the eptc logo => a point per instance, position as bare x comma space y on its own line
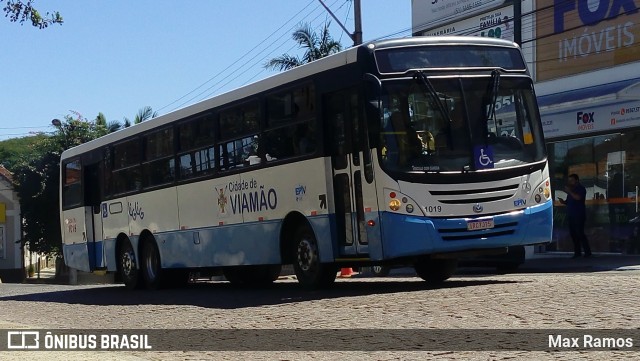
585, 120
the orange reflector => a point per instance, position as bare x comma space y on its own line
314, 213
371, 223
183, 227
260, 219
220, 223
367, 209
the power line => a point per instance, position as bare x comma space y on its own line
235, 62
209, 92
528, 24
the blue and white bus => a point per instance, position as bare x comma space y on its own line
411, 151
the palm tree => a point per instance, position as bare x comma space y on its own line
145, 113
110, 126
317, 46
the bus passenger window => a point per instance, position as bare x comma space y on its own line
72, 185
304, 142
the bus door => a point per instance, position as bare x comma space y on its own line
353, 196
93, 215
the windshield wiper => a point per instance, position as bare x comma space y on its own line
433, 94
492, 97
435, 99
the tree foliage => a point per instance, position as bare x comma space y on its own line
13, 150
144, 114
316, 46
38, 181
23, 11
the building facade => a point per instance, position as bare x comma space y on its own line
585, 58
588, 86
11, 259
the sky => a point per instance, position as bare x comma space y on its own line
118, 56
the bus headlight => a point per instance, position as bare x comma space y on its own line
394, 204
543, 192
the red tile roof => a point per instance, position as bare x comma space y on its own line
4, 172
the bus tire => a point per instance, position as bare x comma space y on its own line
127, 267
306, 261
152, 271
435, 271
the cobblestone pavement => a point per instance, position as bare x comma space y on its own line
607, 300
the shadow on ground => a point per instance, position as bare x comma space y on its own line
224, 295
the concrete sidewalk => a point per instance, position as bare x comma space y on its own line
48, 276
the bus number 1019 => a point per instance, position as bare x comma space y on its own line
434, 209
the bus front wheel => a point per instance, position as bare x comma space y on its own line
435, 271
127, 267
306, 261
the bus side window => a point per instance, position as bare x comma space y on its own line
126, 166
72, 184
290, 123
159, 166
196, 152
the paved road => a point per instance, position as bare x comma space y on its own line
472, 301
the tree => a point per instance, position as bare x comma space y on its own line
110, 126
144, 114
21, 11
37, 183
316, 46
13, 150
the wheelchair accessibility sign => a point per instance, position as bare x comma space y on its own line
483, 157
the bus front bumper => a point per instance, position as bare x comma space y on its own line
406, 235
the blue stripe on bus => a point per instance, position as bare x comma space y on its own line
240, 244
406, 235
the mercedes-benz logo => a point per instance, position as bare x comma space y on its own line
478, 208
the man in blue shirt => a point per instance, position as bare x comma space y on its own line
576, 215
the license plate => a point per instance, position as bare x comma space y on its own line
480, 224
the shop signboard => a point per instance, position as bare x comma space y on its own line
577, 36
494, 24
609, 117
427, 14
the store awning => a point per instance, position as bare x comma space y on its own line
610, 93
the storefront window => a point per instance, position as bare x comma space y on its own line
609, 168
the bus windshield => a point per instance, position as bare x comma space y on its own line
459, 124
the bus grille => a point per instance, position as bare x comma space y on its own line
478, 195
459, 234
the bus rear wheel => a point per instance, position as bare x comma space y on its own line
435, 271
151, 267
127, 266
306, 261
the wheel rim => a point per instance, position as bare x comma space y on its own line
307, 255
128, 262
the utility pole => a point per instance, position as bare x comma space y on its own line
357, 32
356, 36
517, 22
